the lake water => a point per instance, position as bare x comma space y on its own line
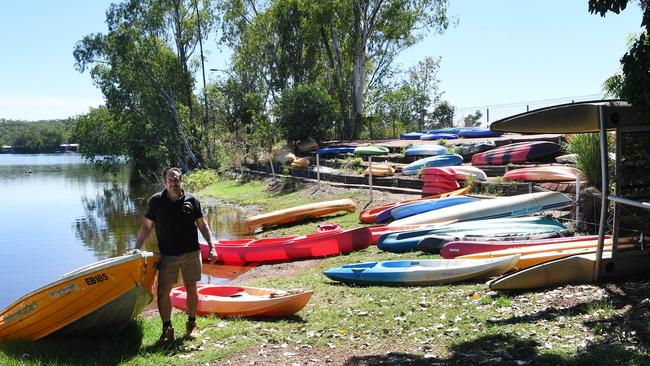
59, 213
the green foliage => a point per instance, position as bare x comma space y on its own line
442, 115
304, 111
587, 148
36, 137
472, 120
198, 179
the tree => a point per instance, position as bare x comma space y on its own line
422, 78
304, 111
472, 120
443, 115
633, 84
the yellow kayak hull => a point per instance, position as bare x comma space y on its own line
101, 298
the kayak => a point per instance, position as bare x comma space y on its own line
335, 150
543, 174
406, 241
380, 170
300, 163
439, 136
368, 216
458, 248
414, 208
371, 150
411, 135
478, 133
235, 301
296, 214
502, 207
432, 161
284, 249
420, 272
461, 172
426, 150
469, 149
434, 243
517, 153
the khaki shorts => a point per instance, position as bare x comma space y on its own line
189, 265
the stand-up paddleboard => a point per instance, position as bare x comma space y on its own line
432, 161
419, 272
458, 248
478, 132
414, 208
543, 174
408, 240
512, 206
371, 150
426, 150
439, 136
517, 153
369, 216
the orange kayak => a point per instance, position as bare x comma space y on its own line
234, 301
370, 215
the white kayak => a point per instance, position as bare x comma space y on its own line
512, 206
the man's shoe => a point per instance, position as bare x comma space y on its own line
167, 336
190, 330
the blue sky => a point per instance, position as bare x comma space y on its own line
503, 54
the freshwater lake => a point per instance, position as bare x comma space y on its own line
59, 213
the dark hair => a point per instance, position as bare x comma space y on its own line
171, 169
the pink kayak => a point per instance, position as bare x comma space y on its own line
457, 248
543, 174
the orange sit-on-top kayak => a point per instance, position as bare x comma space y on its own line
233, 301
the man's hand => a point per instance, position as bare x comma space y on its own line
212, 256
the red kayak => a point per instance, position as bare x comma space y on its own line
543, 174
517, 153
457, 248
290, 248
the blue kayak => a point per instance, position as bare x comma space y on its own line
439, 136
411, 135
407, 241
414, 208
335, 150
420, 272
432, 161
478, 132
426, 150
450, 130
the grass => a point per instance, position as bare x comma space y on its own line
456, 324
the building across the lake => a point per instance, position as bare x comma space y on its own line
69, 147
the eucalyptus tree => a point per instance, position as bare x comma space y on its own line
141, 66
423, 80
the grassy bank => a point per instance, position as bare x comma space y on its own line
455, 324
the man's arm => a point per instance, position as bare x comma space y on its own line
145, 230
207, 235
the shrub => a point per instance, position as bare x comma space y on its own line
196, 180
587, 148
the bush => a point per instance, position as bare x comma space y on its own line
304, 111
587, 148
196, 180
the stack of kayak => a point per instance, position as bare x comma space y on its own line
450, 133
445, 179
517, 153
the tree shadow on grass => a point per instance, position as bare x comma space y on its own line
82, 351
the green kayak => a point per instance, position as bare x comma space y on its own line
371, 150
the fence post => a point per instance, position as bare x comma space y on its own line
370, 176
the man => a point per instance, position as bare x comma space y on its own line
176, 215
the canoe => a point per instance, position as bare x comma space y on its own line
511, 206
406, 241
300, 163
543, 174
369, 216
296, 214
439, 136
420, 272
457, 248
478, 133
380, 170
97, 299
240, 301
517, 153
414, 208
285, 249
411, 135
425, 150
432, 161
371, 150
434, 243
335, 150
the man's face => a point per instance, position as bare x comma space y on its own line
173, 182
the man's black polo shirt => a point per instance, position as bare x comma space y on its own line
175, 222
